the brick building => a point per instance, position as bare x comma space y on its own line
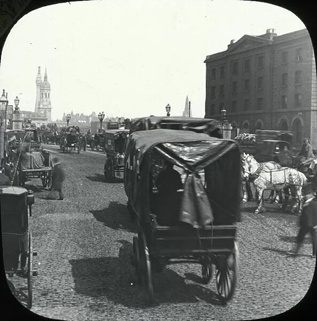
265, 82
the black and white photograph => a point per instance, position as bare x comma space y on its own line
158, 160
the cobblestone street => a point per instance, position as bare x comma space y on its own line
84, 244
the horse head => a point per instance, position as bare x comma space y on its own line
249, 166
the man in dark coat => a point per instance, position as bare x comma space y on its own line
58, 177
308, 224
305, 153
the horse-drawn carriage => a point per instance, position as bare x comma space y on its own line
70, 140
27, 158
196, 223
115, 140
98, 140
17, 239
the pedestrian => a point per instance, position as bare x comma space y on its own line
308, 224
4, 179
58, 177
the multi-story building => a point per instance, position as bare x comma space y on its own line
265, 82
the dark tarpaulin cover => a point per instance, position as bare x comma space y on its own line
198, 125
189, 150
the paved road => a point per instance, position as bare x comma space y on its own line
85, 241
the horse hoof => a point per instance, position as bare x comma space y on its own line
263, 209
256, 212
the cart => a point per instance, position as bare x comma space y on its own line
115, 140
70, 140
17, 239
35, 165
200, 225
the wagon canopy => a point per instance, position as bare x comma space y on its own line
193, 152
199, 125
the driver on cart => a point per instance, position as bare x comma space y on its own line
305, 154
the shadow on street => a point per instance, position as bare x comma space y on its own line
97, 178
292, 239
113, 278
284, 252
115, 216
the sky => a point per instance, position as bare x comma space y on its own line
128, 58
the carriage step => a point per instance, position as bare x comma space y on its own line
34, 273
34, 253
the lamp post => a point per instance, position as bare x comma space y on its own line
168, 110
16, 117
3, 122
68, 119
101, 117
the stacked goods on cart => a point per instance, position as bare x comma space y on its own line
246, 142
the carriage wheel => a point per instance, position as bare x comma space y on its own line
30, 273
136, 259
44, 180
145, 269
49, 180
226, 275
206, 272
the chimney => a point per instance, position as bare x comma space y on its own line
270, 34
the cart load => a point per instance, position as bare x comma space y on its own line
195, 221
211, 127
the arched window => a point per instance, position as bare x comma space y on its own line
258, 125
283, 125
245, 128
298, 131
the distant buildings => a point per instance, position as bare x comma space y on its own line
265, 82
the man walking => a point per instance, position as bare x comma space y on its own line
308, 224
58, 177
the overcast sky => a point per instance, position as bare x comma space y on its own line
128, 58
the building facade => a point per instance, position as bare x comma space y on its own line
265, 82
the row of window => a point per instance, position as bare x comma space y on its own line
260, 64
234, 106
297, 101
260, 82
259, 104
46, 95
298, 78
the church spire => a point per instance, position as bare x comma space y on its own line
45, 75
38, 77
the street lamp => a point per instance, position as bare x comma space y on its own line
3, 118
101, 117
68, 117
16, 103
168, 109
223, 116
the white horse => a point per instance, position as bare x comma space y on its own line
266, 166
274, 180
